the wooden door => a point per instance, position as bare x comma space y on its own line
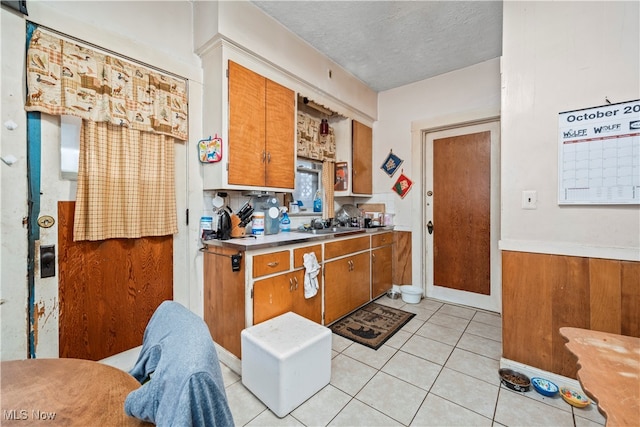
108, 290
247, 103
272, 297
461, 212
362, 174
381, 270
311, 308
280, 136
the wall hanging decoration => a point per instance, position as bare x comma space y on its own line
402, 185
391, 163
210, 149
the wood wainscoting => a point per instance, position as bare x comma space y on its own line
401, 266
108, 290
542, 293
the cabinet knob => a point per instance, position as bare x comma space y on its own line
269, 157
290, 284
273, 264
295, 280
264, 156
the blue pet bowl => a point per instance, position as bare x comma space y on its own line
544, 387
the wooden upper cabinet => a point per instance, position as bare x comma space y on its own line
280, 136
247, 128
362, 174
261, 131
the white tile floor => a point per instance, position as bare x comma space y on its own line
441, 369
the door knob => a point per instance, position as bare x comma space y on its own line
430, 227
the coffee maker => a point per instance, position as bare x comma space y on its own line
223, 217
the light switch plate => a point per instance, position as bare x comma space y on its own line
529, 199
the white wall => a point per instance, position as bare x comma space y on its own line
13, 206
156, 33
472, 93
249, 27
560, 56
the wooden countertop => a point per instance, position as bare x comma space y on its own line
65, 392
609, 372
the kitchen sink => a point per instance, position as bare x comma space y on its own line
332, 230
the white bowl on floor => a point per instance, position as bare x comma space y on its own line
411, 294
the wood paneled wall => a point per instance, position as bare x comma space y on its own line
108, 290
401, 266
542, 293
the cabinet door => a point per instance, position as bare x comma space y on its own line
337, 280
247, 104
381, 274
362, 174
224, 298
310, 308
347, 285
280, 136
360, 280
272, 297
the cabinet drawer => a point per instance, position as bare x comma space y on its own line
343, 247
298, 260
273, 262
381, 239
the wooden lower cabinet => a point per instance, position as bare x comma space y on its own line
355, 270
283, 293
224, 298
381, 272
346, 285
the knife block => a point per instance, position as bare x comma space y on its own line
236, 230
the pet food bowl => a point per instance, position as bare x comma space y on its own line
574, 397
393, 294
514, 380
544, 387
411, 294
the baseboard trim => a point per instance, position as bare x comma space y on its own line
530, 371
125, 361
229, 359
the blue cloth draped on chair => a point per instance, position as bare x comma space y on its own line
180, 373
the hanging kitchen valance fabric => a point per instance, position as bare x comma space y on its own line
311, 144
64, 78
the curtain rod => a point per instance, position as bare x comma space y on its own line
107, 51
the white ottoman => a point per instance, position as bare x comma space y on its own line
285, 361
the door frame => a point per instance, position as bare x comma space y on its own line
419, 130
492, 301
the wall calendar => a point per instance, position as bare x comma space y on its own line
599, 155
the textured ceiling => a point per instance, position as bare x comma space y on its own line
388, 44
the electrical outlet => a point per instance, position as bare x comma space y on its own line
529, 199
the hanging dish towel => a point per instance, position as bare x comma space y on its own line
312, 269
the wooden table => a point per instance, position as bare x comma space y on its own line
609, 372
68, 392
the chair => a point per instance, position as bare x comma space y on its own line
179, 371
